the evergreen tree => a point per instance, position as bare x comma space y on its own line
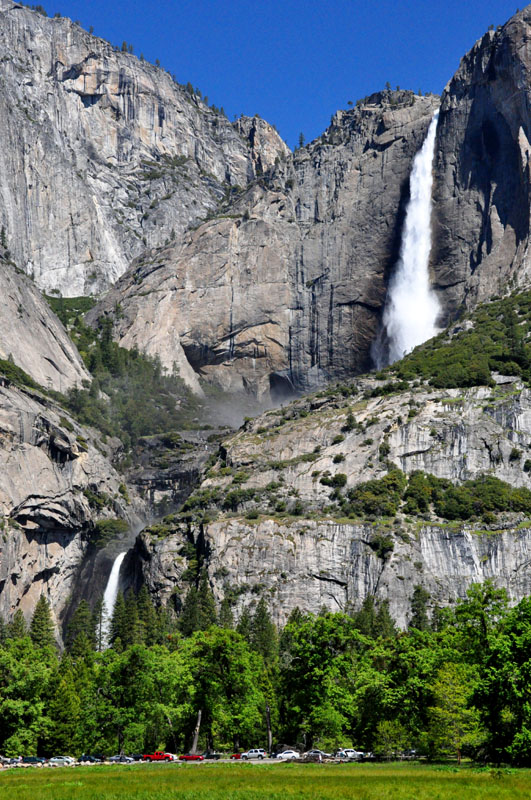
199, 609
3, 631
64, 711
81, 623
135, 628
42, 627
17, 628
3, 238
147, 616
226, 617
119, 624
419, 609
244, 625
365, 618
99, 618
384, 624
264, 637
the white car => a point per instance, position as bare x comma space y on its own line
354, 754
61, 761
255, 752
288, 754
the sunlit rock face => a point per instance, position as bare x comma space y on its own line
317, 558
482, 183
283, 291
103, 154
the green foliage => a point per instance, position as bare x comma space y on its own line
497, 340
105, 530
16, 375
331, 678
131, 395
41, 627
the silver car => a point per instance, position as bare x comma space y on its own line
255, 752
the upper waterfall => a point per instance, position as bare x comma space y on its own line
411, 309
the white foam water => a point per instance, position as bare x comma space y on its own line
109, 597
411, 310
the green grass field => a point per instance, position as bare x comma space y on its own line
274, 782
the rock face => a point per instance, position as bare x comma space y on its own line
33, 336
313, 564
54, 485
482, 189
283, 291
102, 153
312, 557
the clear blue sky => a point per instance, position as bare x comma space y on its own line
294, 62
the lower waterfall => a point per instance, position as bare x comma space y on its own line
411, 309
110, 595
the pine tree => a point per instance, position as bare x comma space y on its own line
42, 627
419, 609
64, 711
3, 631
384, 624
3, 238
244, 625
199, 609
147, 616
81, 623
119, 624
135, 628
365, 618
264, 638
99, 618
226, 617
17, 628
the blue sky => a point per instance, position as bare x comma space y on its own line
295, 62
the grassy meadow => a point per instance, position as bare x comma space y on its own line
257, 781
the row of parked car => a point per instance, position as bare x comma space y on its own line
161, 755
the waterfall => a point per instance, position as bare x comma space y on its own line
109, 597
411, 308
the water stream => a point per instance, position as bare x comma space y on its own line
110, 595
411, 310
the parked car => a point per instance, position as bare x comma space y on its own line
33, 760
61, 761
235, 756
255, 752
136, 756
158, 755
191, 757
353, 754
317, 753
121, 759
91, 759
288, 754
211, 754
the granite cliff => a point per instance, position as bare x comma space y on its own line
264, 272
266, 517
104, 154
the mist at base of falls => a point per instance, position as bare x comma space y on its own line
411, 309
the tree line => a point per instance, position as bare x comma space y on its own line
454, 683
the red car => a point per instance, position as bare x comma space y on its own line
158, 755
236, 755
191, 757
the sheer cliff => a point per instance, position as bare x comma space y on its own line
283, 290
482, 190
103, 154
